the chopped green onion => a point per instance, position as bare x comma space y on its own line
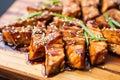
63, 17
30, 15
50, 3
93, 37
86, 38
19, 18
109, 21
115, 22
86, 30
97, 38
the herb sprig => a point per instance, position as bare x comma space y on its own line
115, 22
52, 2
111, 21
86, 38
92, 36
63, 16
30, 15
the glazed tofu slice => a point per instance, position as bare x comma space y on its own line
57, 8
89, 12
106, 4
45, 16
89, 2
71, 8
17, 36
112, 13
74, 42
113, 39
75, 53
112, 35
36, 48
89, 9
75, 46
54, 37
97, 49
54, 62
19, 33
72, 31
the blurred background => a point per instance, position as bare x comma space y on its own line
4, 5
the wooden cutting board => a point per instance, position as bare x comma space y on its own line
13, 64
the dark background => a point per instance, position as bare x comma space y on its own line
4, 5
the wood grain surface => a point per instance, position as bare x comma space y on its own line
13, 64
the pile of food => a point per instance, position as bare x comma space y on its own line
67, 33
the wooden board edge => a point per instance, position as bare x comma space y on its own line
13, 74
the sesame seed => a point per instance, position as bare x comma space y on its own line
103, 57
18, 36
103, 67
90, 70
26, 37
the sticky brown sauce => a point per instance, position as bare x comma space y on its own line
21, 50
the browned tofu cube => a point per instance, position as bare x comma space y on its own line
112, 35
37, 49
71, 8
89, 12
89, 9
75, 54
106, 4
97, 52
57, 8
18, 36
54, 62
97, 49
113, 39
112, 13
75, 46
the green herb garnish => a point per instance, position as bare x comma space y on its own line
115, 22
50, 3
93, 37
30, 15
86, 38
63, 17
86, 30
98, 38
109, 21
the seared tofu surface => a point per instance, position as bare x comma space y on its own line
55, 57
97, 49
112, 13
89, 9
36, 48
